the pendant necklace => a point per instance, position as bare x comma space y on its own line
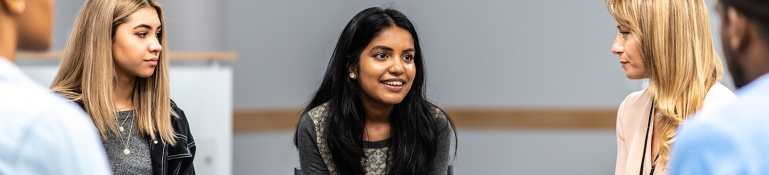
130, 129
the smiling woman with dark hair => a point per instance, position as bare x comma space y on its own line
370, 114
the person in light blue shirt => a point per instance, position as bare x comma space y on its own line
735, 138
40, 132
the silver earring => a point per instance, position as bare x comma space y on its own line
352, 75
21, 6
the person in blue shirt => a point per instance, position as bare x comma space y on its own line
40, 132
733, 139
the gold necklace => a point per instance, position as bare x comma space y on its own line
121, 125
130, 129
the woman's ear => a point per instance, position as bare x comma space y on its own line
352, 73
737, 29
13, 7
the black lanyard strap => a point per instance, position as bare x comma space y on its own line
646, 140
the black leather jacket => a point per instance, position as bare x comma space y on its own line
173, 160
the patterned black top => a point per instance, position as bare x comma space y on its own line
315, 156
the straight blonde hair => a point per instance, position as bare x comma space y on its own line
677, 50
87, 72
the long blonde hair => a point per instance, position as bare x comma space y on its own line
87, 72
677, 50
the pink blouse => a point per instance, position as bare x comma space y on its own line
632, 122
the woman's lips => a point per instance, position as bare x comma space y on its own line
152, 62
395, 84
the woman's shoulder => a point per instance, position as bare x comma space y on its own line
176, 109
636, 103
637, 99
437, 112
440, 116
180, 121
173, 104
181, 126
718, 95
316, 115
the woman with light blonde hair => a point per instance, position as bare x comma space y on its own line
115, 68
669, 43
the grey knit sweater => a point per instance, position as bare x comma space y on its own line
138, 160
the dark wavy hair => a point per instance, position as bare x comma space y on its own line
414, 128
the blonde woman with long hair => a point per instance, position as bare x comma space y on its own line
669, 43
115, 68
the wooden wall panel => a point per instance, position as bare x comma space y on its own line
599, 118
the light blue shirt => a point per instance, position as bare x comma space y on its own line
42, 133
731, 140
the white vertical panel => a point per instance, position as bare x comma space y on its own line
205, 95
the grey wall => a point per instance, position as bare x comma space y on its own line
193, 25
527, 53
550, 53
